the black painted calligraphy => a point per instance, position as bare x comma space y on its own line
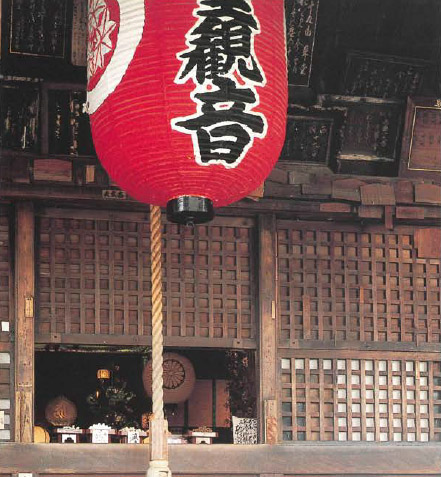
301, 19
222, 63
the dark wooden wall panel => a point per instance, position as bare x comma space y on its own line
345, 283
6, 324
93, 272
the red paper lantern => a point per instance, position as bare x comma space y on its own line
187, 98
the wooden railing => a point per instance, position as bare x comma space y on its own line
298, 460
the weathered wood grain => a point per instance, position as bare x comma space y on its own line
347, 189
268, 326
428, 194
428, 242
370, 211
404, 193
52, 170
403, 212
377, 194
98, 264
299, 459
24, 322
336, 207
331, 263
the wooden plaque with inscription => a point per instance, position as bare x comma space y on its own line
421, 149
301, 24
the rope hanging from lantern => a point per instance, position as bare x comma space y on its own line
158, 465
157, 338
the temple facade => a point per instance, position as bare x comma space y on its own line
302, 326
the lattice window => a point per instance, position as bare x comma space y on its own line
94, 278
352, 285
6, 391
343, 399
6, 354
5, 270
210, 286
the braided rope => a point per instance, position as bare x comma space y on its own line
157, 338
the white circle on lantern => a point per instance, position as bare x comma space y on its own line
131, 26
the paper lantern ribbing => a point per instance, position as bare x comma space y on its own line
187, 98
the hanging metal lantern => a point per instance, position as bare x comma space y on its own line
103, 374
187, 99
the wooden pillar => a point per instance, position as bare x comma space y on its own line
268, 329
24, 321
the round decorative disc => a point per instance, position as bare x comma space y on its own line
179, 378
174, 374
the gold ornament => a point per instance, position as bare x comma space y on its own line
61, 412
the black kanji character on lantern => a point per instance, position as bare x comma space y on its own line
221, 48
223, 129
222, 40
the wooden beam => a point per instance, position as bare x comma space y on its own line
337, 207
377, 194
409, 212
286, 208
138, 340
428, 194
114, 214
379, 347
54, 170
428, 242
310, 459
278, 175
347, 189
268, 328
287, 191
24, 322
388, 217
347, 353
404, 193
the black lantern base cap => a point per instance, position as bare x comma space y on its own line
189, 210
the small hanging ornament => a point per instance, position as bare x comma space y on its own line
188, 99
